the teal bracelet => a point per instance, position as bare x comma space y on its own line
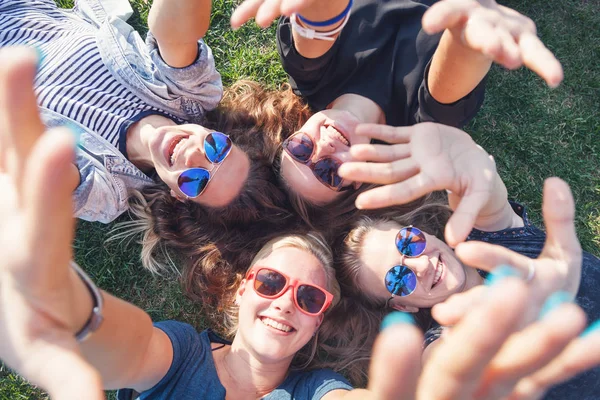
330, 21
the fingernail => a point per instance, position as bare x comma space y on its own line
500, 273
396, 318
75, 131
40, 56
593, 328
554, 301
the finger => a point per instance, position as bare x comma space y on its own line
454, 370
488, 256
386, 133
381, 173
451, 311
48, 198
244, 12
582, 354
463, 218
395, 364
380, 152
69, 376
510, 54
21, 124
293, 6
481, 35
267, 12
558, 209
396, 194
446, 14
531, 349
540, 60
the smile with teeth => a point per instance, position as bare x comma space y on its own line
439, 268
277, 325
174, 148
337, 134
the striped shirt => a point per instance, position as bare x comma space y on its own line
73, 80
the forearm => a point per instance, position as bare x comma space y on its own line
177, 26
119, 347
455, 69
319, 11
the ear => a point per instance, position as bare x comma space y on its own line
240, 292
319, 321
403, 308
178, 196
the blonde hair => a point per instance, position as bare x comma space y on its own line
314, 244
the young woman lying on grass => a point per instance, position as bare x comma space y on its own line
142, 111
371, 61
400, 260
60, 332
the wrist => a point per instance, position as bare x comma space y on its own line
326, 18
89, 304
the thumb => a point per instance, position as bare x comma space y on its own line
74, 379
396, 362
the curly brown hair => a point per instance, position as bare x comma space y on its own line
210, 243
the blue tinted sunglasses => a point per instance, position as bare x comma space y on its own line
401, 280
193, 181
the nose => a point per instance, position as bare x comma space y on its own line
421, 266
194, 158
324, 147
285, 302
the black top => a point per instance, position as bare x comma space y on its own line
382, 54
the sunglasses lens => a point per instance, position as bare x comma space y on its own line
216, 146
300, 146
400, 280
326, 171
411, 242
269, 282
193, 181
310, 298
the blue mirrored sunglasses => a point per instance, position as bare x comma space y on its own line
193, 181
401, 280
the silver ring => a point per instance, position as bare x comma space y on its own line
530, 271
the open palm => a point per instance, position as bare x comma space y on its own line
36, 231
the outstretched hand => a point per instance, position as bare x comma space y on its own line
500, 33
36, 232
558, 267
487, 354
421, 159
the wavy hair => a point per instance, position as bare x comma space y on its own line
196, 236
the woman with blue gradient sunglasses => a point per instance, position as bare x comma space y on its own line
399, 260
144, 112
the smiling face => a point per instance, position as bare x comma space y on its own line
176, 148
332, 132
439, 273
273, 330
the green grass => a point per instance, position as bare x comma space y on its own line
533, 132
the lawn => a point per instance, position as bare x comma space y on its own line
533, 132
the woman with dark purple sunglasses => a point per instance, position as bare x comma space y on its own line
372, 61
416, 260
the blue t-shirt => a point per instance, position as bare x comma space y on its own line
193, 375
